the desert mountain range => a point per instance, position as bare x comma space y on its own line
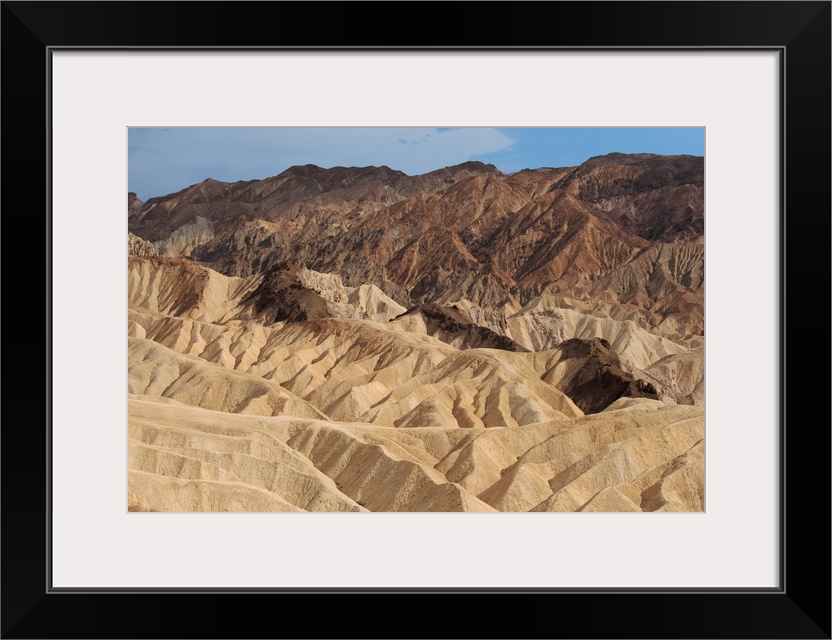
356, 339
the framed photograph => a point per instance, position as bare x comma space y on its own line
87, 84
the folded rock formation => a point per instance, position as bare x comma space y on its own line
355, 339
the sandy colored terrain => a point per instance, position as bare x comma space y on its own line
357, 414
184, 458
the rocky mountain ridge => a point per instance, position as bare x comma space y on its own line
466, 232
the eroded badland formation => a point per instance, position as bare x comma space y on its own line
356, 339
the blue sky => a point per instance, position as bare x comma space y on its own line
165, 160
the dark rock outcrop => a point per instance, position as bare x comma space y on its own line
594, 378
454, 327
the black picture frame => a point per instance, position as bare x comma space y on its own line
798, 608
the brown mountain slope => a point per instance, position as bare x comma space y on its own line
668, 214
666, 282
556, 243
659, 198
464, 232
307, 191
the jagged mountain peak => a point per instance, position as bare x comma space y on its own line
314, 171
474, 166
